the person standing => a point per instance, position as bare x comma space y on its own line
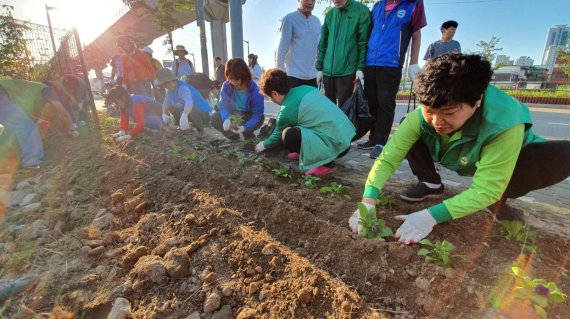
394, 24
219, 70
446, 45
254, 67
116, 69
181, 65
138, 72
297, 52
342, 48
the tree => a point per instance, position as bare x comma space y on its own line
489, 49
14, 54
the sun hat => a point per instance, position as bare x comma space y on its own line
180, 48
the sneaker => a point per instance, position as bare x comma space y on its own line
368, 145
320, 170
293, 156
420, 192
505, 212
376, 151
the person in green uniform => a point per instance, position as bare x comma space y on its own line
309, 125
474, 129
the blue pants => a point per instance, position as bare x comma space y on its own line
18, 124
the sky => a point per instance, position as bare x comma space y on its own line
521, 25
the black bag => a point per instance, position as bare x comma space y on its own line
357, 111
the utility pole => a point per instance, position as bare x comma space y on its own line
246, 41
200, 19
51, 36
237, 28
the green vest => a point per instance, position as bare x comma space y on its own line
25, 94
498, 113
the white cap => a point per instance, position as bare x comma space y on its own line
147, 50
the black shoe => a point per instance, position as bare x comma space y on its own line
505, 212
368, 145
376, 151
420, 192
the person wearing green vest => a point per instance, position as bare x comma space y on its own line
21, 106
474, 129
309, 125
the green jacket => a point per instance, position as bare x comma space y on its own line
344, 37
325, 130
25, 94
487, 148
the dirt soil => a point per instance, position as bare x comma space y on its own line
182, 229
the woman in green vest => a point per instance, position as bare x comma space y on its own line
309, 125
474, 129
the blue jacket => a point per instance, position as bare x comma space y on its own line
390, 35
151, 106
254, 104
178, 102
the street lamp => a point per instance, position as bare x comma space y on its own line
247, 46
51, 36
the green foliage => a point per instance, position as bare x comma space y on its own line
336, 188
14, 54
243, 160
489, 49
282, 172
263, 162
372, 227
540, 292
236, 120
518, 232
310, 181
17, 259
438, 253
176, 149
385, 201
194, 157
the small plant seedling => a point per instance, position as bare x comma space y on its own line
336, 188
310, 181
231, 153
385, 200
263, 162
194, 157
236, 120
372, 226
243, 160
438, 253
282, 172
518, 232
176, 149
540, 292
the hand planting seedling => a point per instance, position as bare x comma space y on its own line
194, 157
385, 200
438, 253
176, 149
282, 172
336, 188
372, 227
540, 292
518, 232
310, 181
236, 121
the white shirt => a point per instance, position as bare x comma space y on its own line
297, 51
256, 73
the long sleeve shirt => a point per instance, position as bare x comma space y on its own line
138, 112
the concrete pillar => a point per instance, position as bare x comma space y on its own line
203, 41
219, 39
237, 28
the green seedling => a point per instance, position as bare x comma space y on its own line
438, 253
372, 226
194, 157
336, 188
310, 181
518, 232
199, 146
243, 160
264, 162
282, 172
236, 120
540, 292
176, 149
385, 201
231, 153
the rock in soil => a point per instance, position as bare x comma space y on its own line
399, 253
150, 267
224, 313
121, 309
177, 263
212, 302
247, 313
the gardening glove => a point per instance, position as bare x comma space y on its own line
73, 133
165, 118
226, 125
416, 227
413, 71
123, 138
319, 76
260, 147
239, 130
353, 220
359, 77
117, 135
184, 125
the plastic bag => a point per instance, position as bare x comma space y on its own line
357, 111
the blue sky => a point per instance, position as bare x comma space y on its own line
522, 25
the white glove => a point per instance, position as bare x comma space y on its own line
184, 125
413, 71
1, 129
73, 133
355, 218
319, 76
117, 135
155, 83
123, 138
260, 147
239, 130
360, 77
416, 227
226, 125
165, 118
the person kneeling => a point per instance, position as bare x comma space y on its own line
313, 128
144, 110
474, 129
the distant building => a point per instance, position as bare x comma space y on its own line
510, 74
524, 61
503, 60
557, 38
